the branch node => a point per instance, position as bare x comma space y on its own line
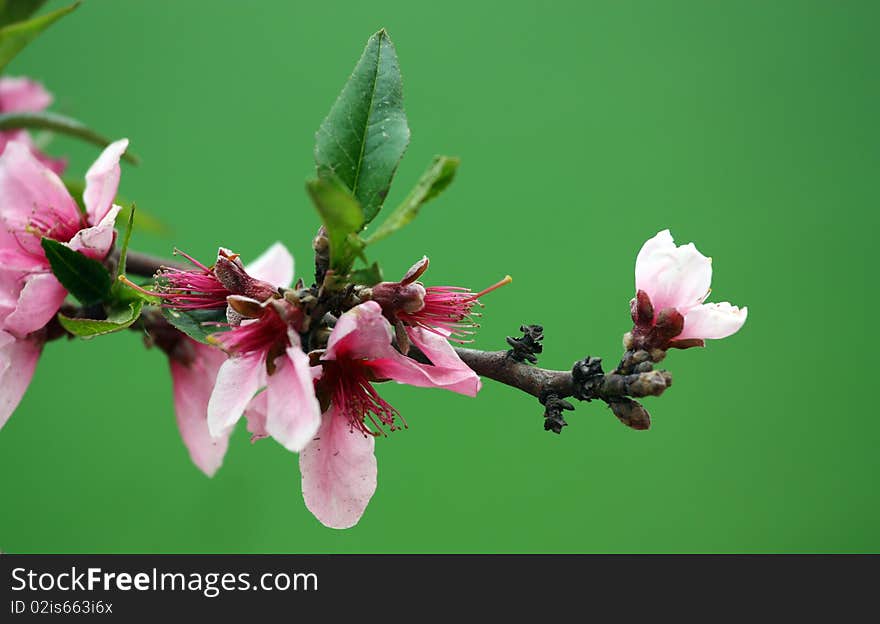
526, 348
553, 408
587, 375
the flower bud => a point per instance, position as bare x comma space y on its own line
631, 413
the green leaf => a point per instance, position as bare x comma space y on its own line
86, 279
433, 182
342, 217
118, 318
14, 37
12, 11
368, 276
365, 135
197, 324
44, 120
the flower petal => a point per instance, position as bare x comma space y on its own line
673, 277
22, 95
713, 320
38, 302
338, 472
238, 380
102, 181
293, 413
456, 375
18, 359
96, 241
28, 190
255, 413
275, 265
362, 332
57, 165
193, 384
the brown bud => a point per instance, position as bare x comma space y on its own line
652, 383
631, 413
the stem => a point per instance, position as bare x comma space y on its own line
549, 386
541, 382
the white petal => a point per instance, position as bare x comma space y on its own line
713, 320
275, 266
673, 277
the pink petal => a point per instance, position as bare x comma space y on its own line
293, 414
38, 302
461, 378
96, 241
102, 181
362, 332
713, 320
16, 259
255, 413
28, 189
338, 473
193, 385
57, 165
673, 277
275, 266
23, 95
238, 380
18, 359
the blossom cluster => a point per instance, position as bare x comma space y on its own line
303, 374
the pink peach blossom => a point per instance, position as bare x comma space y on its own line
672, 284
265, 353
194, 369
28, 96
339, 467
35, 203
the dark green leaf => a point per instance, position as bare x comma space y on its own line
365, 135
86, 279
433, 182
12, 11
368, 276
197, 324
118, 318
342, 217
14, 37
62, 125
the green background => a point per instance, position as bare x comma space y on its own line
583, 128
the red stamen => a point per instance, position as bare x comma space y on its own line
448, 311
357, 400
